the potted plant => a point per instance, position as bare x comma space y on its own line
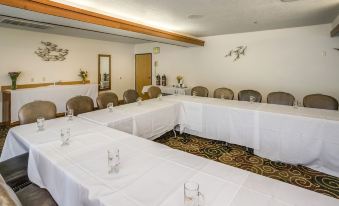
14, 76
84, 75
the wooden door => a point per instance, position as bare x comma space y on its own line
143, 72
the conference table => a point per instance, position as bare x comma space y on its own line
150, 174
305, 136
148, 119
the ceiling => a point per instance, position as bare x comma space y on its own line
69, 27
214, 17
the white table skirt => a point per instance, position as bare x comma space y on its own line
58, 94
169, 90
150, 174
280, 133
149, 120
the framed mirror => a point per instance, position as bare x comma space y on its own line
104, 72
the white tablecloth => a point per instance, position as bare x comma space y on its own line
149, 120
281, 133
20, 138
169, 90
58, 94
150, 174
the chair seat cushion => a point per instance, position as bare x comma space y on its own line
7, 195
33, 195
14, 170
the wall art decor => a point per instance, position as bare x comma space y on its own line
51, 52
237, 52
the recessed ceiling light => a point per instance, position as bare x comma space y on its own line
195, 16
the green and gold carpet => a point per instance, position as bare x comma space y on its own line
237, 156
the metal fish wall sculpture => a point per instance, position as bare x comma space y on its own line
51, 52
237, 52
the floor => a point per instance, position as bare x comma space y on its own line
237, 156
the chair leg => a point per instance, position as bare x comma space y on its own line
175, 133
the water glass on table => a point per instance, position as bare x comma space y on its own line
159, 96
70, 114
222, 96
139, 101
194, 93
113, 159
192, 195
252, 99
40, 123
110, 107
65, 135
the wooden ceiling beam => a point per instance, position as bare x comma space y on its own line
69, 12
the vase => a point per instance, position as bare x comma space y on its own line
13, 87
84, 81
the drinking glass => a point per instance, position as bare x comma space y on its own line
222, 96
160, 96
65, 135
139, 101
252, 99
175, 92
110, 107
69, 114
194, 93
192, 196
113, 159
40, 123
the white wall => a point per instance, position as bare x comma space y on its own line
291, 60
17, 54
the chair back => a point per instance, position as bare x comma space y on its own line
130, 96
320, 101
245, 95
200, 91
80, 104
281, 98
29, 112
107, 97
225, 92
153, 92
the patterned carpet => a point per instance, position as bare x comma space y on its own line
237, 156
3, 133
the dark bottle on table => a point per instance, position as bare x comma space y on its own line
158, 80
163, 80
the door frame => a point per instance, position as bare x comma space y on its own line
135, 69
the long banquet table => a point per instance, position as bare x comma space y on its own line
150, 119
301, 135
151, 174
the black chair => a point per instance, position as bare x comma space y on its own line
281, 98
320, 101
130, 96
245, 95
223, 92
14, 171
199, 91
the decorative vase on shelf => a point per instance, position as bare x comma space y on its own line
14, 76
83, 74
